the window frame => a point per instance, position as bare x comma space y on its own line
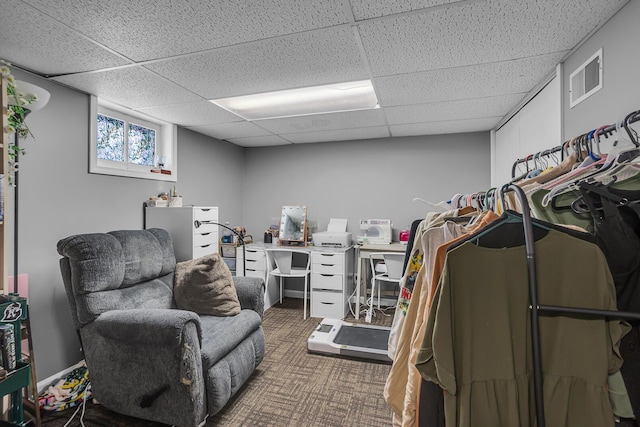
166, 143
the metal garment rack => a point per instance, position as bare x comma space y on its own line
537, 308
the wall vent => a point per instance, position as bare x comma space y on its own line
586, 80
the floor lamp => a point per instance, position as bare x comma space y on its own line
42, 98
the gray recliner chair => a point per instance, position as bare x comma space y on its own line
146, 358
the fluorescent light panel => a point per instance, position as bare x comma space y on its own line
333, 98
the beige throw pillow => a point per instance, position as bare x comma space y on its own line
204, 285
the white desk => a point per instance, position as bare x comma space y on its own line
331, 279
362, 254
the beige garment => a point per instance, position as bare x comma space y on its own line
433, 219
565, 166
403, 383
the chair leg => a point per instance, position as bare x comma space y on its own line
280, 289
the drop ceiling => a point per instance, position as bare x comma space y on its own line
438, 66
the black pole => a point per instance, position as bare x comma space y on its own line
15, 213
612, 314
533, 300
244, 253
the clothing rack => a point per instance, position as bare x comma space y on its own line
548, 152
604, 130
536, 308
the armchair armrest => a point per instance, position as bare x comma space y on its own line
162, 327
250, 293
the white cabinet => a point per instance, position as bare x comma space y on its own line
331, 283
189, 241
256, 266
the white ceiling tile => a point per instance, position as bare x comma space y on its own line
453, 126
323, 122
35, 41
479, 32
434, 59
477, 81
338, 135
451, 110
231, 130
133, 87
305, 59
192, 113
367, 9
259, 141
144, 30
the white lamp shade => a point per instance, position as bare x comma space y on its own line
28, 88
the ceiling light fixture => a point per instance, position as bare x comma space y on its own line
333, 98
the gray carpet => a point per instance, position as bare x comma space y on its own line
290, 387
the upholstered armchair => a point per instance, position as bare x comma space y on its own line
146, 358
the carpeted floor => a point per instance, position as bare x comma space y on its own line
290, 387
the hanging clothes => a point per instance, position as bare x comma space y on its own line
616, 215
477, 341
407, 283
402, 388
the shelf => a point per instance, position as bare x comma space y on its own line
16, 379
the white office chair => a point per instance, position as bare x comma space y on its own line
282, 258
385, 267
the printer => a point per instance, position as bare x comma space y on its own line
376, 231
336, 235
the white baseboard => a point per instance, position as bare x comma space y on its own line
42, 385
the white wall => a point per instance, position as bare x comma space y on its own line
536, 127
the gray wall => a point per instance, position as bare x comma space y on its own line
620, 93
355, 180
58, 198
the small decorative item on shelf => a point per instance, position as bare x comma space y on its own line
159, 201
156, 202
175, 201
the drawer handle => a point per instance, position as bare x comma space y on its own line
327, 265
327, 303
205, 210
205, 246
205, 234
327, 275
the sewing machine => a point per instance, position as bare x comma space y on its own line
376, 231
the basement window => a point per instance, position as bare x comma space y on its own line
126, 143
586, 80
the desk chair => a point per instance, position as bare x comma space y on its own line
385, 267
282, 258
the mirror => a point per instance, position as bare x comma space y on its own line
293, 224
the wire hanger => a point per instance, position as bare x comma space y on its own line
445, 206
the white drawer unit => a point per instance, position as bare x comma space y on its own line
327, 304
189, 241
256, 266
331, 283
